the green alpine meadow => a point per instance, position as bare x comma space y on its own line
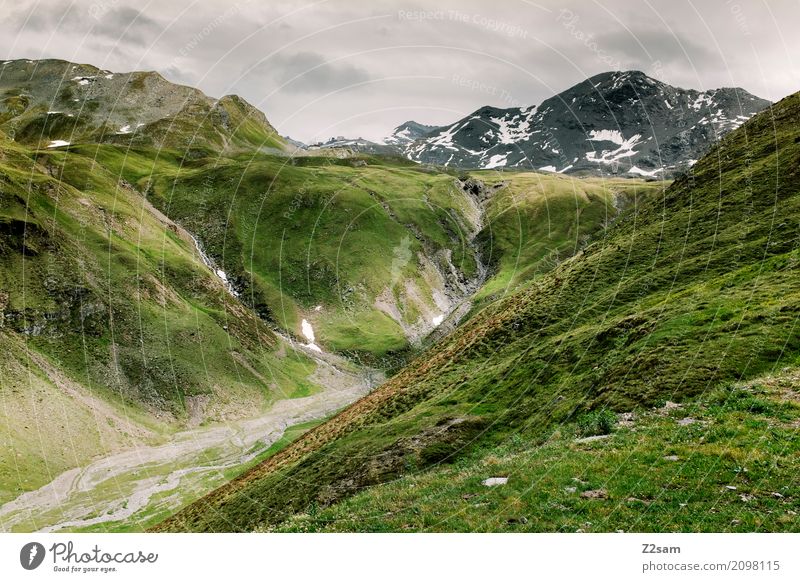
577, 316
644, 382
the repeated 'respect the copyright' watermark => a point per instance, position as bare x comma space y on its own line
477, 19
486, 88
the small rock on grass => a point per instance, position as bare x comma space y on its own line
494, 481
671, 458
591, 439
626, 419
670, 406
595, 494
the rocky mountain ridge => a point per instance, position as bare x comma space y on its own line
615, 122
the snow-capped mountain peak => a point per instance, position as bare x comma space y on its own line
614, 122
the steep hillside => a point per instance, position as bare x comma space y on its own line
372, 256
535, 221
687, 293
612, 123
113, 332
375, 256
52, 103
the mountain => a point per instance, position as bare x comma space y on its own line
181, 299
293, 143
409, 132
187, 281
117, 332
659, 363
53, 103
616, 122
393, 145
352, 146
157, 294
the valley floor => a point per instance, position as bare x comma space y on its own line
129, 490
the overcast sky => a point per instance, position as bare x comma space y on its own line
357, 68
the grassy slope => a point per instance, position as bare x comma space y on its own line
319, 232
683, 295
102, 244
110, 324
297, 234
727, 461
536, 221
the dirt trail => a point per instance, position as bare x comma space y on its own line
131, 485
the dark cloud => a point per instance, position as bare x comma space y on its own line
128, 24
107, 20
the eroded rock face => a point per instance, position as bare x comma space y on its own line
446, 298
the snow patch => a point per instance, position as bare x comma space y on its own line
702, 99
611, 135
625, 149
437, 320
57, 143
512, 130
308, 332
641, 172
445, 139
496, 161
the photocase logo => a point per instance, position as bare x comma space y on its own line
31, 555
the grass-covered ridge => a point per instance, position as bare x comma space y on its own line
52, 100
685, 293
535, 221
